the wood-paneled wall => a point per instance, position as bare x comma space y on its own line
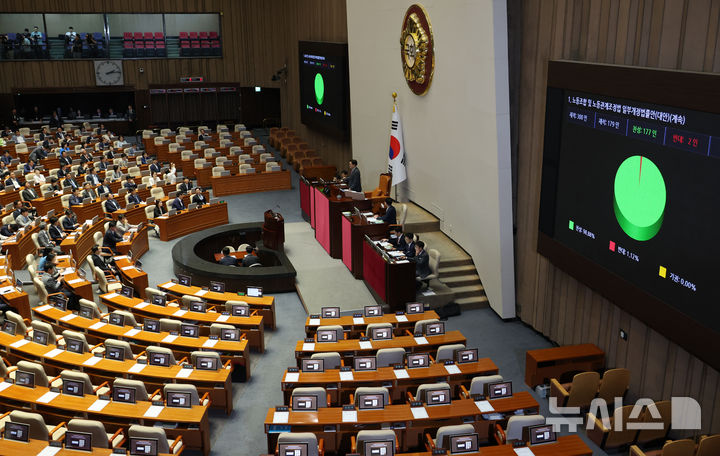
672, 34
258, 37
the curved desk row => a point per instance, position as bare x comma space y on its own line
356, 325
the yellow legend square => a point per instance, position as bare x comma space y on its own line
663, 272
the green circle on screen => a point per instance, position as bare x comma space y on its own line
319, 88
639, 198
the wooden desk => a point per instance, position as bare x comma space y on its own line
238, 255
18, 246
328, 212
136, 242
130, 275
356, 325
192, 422
88, 211
566, 445
249, 183
134, 216
351, 347
37, 446
392, 281
340, 390
45, 205
252, 326
17, 299
9, 197
264, 305
78, 244
97, 331
543, 364
414, 428
354, 230
187, 222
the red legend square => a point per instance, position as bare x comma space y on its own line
612, 246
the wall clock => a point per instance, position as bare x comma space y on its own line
109, 73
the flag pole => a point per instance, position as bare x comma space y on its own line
394, 95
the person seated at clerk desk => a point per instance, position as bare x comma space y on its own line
105, 187
54, 284
123, 226
12, 180
177, 204
75, 198
56, 231
390, 213
39, 178
111, 205
92, 178
8, 230
129, 183
29, 193
186, 185
342, 177
70, 222
198, 198
422, 262
154, 167
134, 198
88, 191
227, 259
353, 179
112, 237
24, 218
250, 257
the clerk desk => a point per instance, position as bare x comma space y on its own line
328, 422
354, 230
326, 213
252, 326
190, 221
566, 445
356, 325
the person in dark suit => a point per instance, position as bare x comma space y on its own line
75, 198
227, 260
111, 205
422, 261
65, 159
134, 198
129, 183
29, 166
12, 180
56, 232
70, 182
154, 167
178, 204
160, 209
6, 157
102, 166
98, 260
112, 237
390, 214
353, 180
198, 198
250, 258
104, 188
70, 221
144, 158
29, 193
88, 191
409, 249
92, 177
186, 185
86, 157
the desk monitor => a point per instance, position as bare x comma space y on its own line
418, 360
192, 206
217, 287
460, 444
435, 329
25, 378
206, 363
75, 345
293, 449
313, 365
75, 440
138, 263
197, 306
172, 195
189, 330
172, 212
231, 334
73, 388
239, 310
87, 201
371, 401
364, 363
159, 300
381, 333
143, 446
159, 359
40, 336
330, 312
18, 284
327, 335
86, 312
9, 327
499, 390
373, 311
20, 432
124, 394
414, 308
116, 319
184, 280
115, 353
178, 399
254, 292
127, 291
385, 448
151, 325
58, 301
305, 403
466, 355
439, 396
537, 435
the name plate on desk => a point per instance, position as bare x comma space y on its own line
401, 318
401, 373
137, 368
93, 360
349, 416
421, 341
281, 417
184, 373
308, 346
141, 305
169, 338
419, 413
19, 343
50, 451
47, 397
53, 353
98, 405
358, 320
346, 376
98, 325
452, 369
525, 451
366, 345
292, 377
68, 317
314, 322
484, 406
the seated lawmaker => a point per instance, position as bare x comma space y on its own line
88, 191
70, 222
227, 259
250, 257
112, 237
104, 188
198, 198
56, 232
29, 193
54, 284
422, 261
12, 180
185, 187
129, 182
111, 205
178, 204
134, 198
75, 198
390, 214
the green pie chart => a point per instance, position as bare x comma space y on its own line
639, 197
319, 88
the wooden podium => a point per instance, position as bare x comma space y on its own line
273, 230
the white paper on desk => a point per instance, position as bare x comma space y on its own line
308, 347
179, 313
210, 343
141, 305
402, 261
131, 332
98, 405
365, 344
4, 386
125, 268
53, 353
183, 373
153, 411
314, 322
42, 308
67, 271
68, 317
74, 281
401, 317
281, 417
49, 451
401, 373
98, 325
292, 377
346, 376
47, 397
525, 451
452, 369
137, 368
19, 343
419, 412
201, 293
6, 290
421, 340
349, 416
167, 285
111, 296
169, 338
358, 320
121, 257
223, 317
484, 406
91, 361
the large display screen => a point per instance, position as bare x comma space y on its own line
324, 86
633, 187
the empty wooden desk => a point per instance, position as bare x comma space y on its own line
566, 445
45, 205
88, 211
18, 246
355, 325
131, 275
544, 364
191, 221
249, 183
